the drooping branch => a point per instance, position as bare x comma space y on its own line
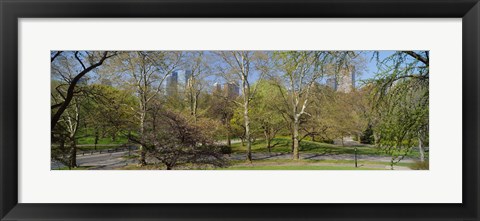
71, 90
417, 56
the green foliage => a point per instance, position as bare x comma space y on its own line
284, 146
224, 149
121, 139
400, 99
298, 167
125, 101
418, 165
367, 136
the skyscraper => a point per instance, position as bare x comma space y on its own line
217, 87
177, 82
231, 89
344, 81
332, 83
171, 88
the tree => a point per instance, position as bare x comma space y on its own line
172, 140
109, 112
299, 70
400, 99
66, 135
240, 66
146, 71
88, 62
67, 97
265, 111
195, 83
221, 107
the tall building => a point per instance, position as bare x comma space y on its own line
217, 87
231, 89
332, 83
177, 82
344, 81
188, 77
171, 87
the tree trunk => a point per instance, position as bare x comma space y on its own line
96, 139
70, 92
356, 157
247, 132
296, 143
312, 135
142, 160
375, 138
229, 139
292, 142
73, 153
268, 140
421, 150
193, 102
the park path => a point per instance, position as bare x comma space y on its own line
317, 156
116, 160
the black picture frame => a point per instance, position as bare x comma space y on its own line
11, 11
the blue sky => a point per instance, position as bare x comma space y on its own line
369, 72
371, 65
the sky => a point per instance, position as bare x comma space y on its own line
368, 73
371, 66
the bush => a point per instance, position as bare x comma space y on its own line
367, 136
224, 149
420, 165
329, 141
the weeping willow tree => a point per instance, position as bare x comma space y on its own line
400, 101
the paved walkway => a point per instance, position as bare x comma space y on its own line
109, 161
315, 156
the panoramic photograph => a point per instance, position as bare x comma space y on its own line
239, 110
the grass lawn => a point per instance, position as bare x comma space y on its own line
106, 140
311, 162
284, 164
76, 168
283, 145
288, 164
302, 167
99, 147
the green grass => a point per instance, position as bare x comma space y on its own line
304, 164
99, 147
91, 147
299, 167
105, 140
283, 145
283, 164
323, 161
76, 168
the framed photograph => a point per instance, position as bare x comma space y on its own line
228, 110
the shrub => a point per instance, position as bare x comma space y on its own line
224, 149
420, 165
367, 136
